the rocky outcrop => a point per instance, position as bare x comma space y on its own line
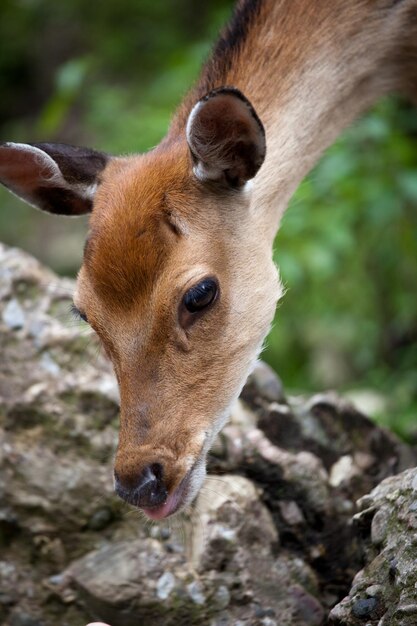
275, 538
384, 592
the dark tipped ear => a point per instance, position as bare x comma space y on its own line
53, 177
226, 138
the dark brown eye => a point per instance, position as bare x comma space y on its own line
201, 296
78, 314
84, 317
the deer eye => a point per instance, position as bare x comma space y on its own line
78, 314
201, 296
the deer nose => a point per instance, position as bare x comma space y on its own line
146, 490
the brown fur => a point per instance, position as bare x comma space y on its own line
134, 275
308, 68
282, 34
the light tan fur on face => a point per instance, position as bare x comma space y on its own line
309, 68
135, 274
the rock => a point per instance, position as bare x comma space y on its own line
307, 608
291, 513
221, 598
142, 581
23, 619
165, 585
264, 383
228, 513
13, 315
270, 540
196, 593
100, 519
363, 609
127, 582
343, 471
236, 535
379, 527
384, 591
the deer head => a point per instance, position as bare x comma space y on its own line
176, 281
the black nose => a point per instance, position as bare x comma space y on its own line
145, 491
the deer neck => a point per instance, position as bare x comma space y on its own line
309, 69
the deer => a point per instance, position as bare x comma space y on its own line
178, 279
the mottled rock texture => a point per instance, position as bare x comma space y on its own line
275, 538
384, 592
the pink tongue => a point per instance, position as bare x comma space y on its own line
162, 511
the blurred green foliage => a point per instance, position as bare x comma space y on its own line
347, 250
110, 75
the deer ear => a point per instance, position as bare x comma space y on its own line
53, 177
226, 138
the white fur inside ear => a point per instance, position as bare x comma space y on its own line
88, 192
50, 171
202, 170
226, 138
191, 122
47, 171
205, 173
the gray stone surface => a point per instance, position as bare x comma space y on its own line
270, 540
384, 592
